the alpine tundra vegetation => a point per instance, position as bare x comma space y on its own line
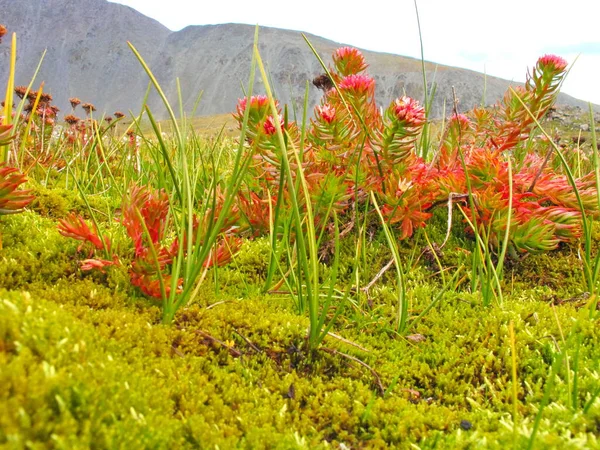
354, 276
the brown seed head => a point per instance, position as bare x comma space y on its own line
74, 102
20, 91
2, 32
88, 107
119, 114
45, 98
71, 119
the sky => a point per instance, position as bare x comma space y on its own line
501, 38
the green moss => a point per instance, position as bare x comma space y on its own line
58, 202
85, 362
560, 270
34, 251
83, 366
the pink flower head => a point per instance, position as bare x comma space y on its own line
349, 61
45, 111
259, 108
460, 119
326, 112
256, 102
408, 110
358, 84
459, 122
551, 63
269, 126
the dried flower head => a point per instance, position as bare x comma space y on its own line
71, 119
349, 61
88, 107
119, 114
2, 32
21, 91
109, 119
45, 97
74, 102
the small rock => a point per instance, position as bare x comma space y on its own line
466, 425
291, 393
416, 338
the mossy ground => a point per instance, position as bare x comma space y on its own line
85, 362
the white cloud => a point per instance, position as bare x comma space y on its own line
502, 38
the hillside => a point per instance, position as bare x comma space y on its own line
88, 57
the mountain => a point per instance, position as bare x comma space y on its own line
88, 57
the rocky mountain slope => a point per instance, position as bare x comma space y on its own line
88, 57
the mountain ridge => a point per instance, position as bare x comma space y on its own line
88, 57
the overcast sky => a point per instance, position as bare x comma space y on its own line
502, 38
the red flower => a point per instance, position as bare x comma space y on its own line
100, 264
223, 252
410, 111
5, 134
460, 119
349, 61
259, 108
358, 84
269, 126
551, 63
75, 227
326, 112
11, 199
153, 206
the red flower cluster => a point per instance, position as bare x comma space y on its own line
12, 200
358, 84
409, 111
552, 63
352, 150
349, 60
326, 112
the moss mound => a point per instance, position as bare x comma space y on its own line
85, 362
